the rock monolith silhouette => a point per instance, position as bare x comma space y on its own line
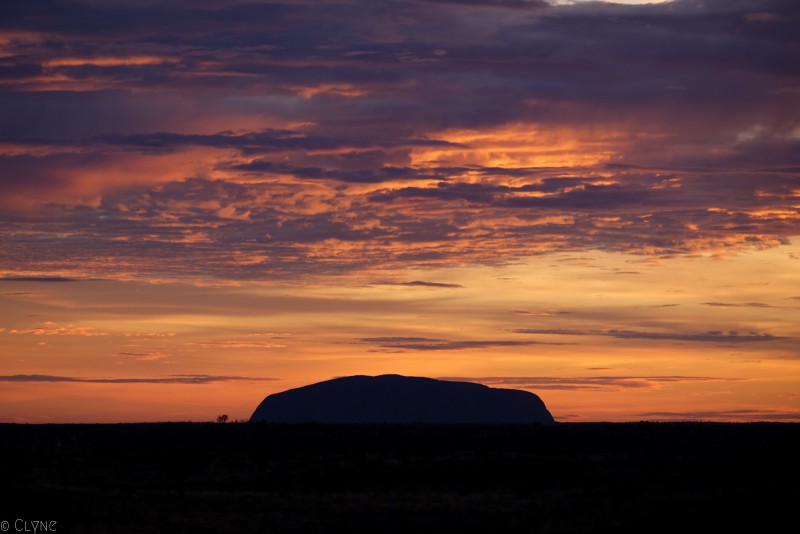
401, 399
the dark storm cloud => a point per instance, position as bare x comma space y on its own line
590, 383
171, 379
713, 336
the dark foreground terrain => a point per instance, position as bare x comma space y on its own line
643, 477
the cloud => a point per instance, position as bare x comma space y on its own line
422, 283
591, 383
430, 344
725, 415
712, 336
407, 134
737, 305
241, 344
149, 356
386, 173
170, 379
541, 313
56, 279
262, 141
514, 4
48, 328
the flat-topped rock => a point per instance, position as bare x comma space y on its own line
401, 399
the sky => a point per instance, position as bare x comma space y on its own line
202, 203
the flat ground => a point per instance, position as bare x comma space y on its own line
243, 478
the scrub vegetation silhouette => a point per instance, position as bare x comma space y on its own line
254, 478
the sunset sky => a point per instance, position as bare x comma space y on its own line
203, 202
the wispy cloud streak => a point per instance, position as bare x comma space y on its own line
713, 336
171, 379
590, 383
429, 344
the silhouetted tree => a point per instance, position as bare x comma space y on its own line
222, 418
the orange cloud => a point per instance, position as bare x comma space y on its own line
109, 61
148, 356
524, 145
52, 329
338, 89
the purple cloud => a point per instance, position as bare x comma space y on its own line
170, 379
286, 150
590, 383
429, 344
713, 336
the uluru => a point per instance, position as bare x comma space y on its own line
401, 399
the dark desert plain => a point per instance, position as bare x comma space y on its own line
206, 203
